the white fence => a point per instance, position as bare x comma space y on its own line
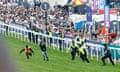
31, 36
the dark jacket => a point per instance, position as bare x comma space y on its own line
42, 46
107, 52
23, 50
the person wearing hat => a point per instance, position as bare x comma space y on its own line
107, 55
28, 51
83, 53
74, 49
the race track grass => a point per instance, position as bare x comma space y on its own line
59, 61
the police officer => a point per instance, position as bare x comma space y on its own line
83, 53
107, 55
74, 50
43, 49
77, 39
28, 51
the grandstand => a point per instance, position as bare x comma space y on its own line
23, 25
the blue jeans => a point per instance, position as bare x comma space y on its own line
45, 55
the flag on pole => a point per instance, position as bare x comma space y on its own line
107, 16
89, 14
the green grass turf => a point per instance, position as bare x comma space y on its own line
59, 61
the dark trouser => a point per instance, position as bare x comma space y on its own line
28, 54
45, 55
35, 39
77, 52
73, 53
30, 36
107, 56
60, 44
50, 41
6, 27
84, 58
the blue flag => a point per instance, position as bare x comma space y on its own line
89, 14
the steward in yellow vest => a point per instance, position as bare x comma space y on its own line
83, 53
77, 40
74, 49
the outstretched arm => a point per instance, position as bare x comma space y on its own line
31, 50
22, 51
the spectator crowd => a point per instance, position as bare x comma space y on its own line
58, 22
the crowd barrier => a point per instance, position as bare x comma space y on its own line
94, 48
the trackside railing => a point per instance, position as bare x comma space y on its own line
62, 44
